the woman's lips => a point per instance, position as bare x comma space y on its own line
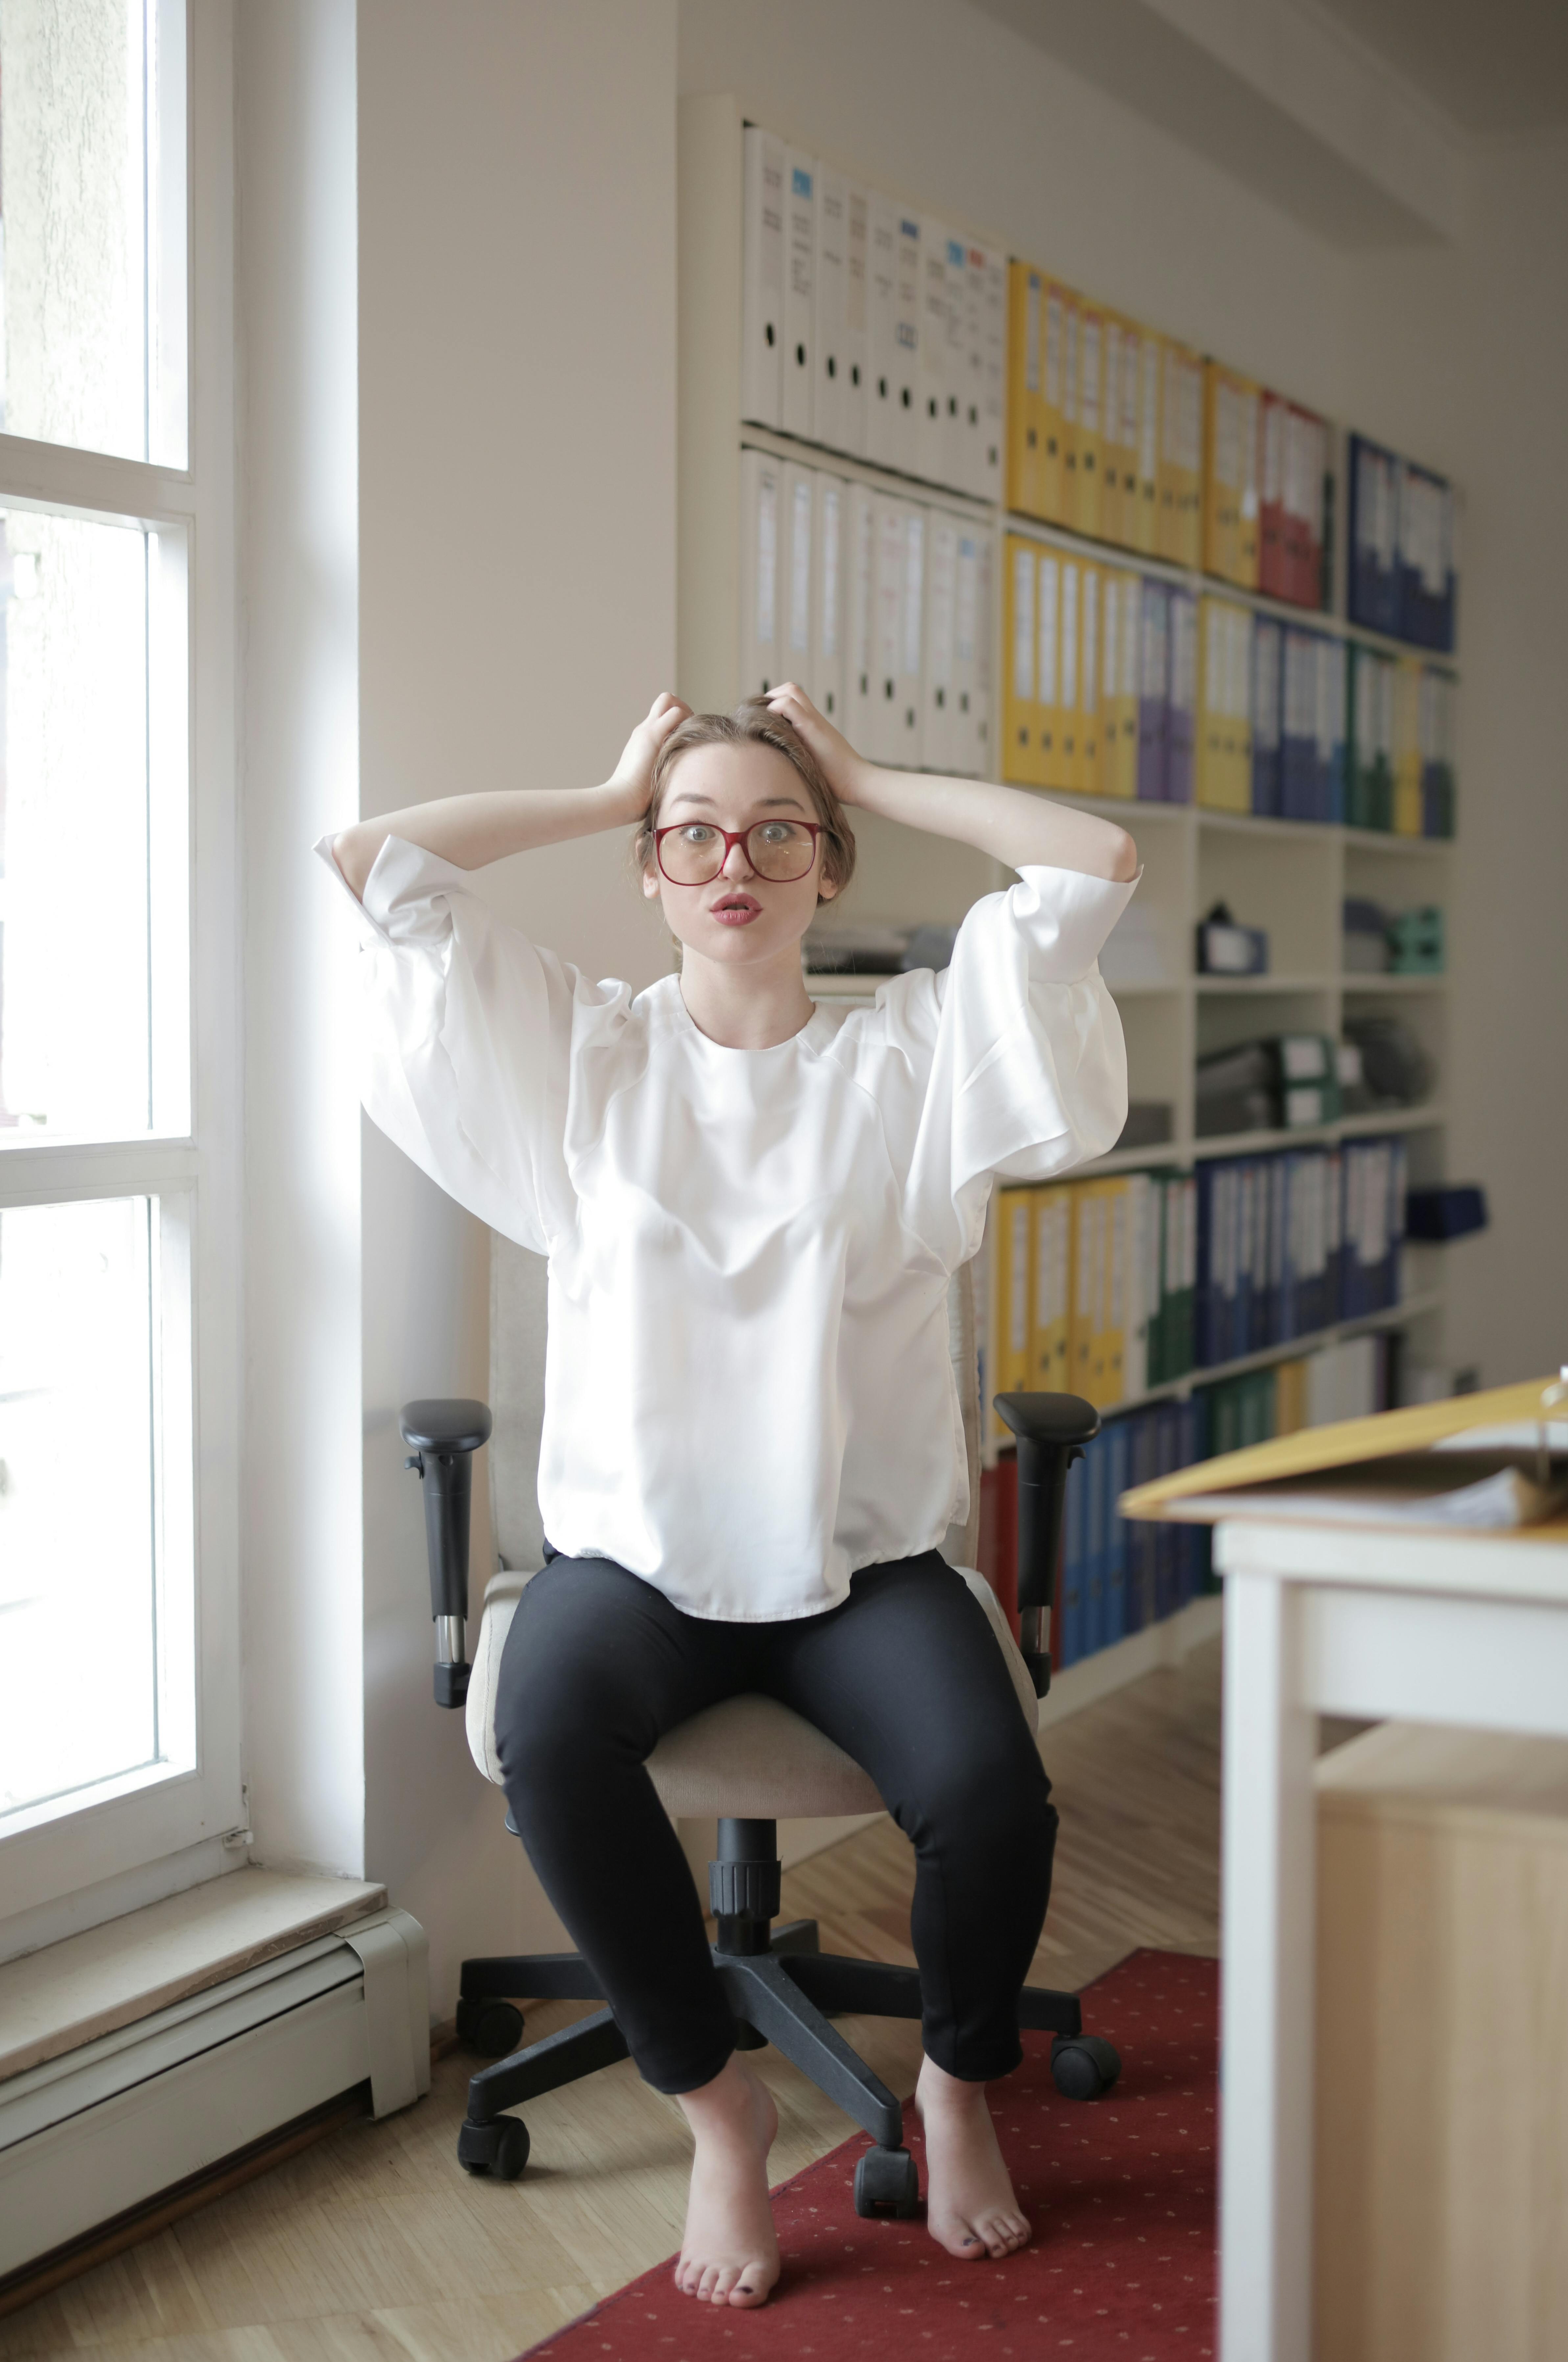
736, 911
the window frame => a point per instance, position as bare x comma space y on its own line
144, 1820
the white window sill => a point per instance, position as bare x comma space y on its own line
70, 1993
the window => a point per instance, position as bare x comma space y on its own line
118, 1109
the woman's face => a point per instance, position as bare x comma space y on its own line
738, 917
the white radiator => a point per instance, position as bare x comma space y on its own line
84, 2137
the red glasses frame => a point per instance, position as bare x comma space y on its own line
735, 836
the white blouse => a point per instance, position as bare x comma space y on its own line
747, 1389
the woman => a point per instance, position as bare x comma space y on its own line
753, 1446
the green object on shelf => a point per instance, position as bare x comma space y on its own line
1416, 943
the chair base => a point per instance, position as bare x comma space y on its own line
784, 1994
781, 1988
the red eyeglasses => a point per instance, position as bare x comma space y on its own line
779, 850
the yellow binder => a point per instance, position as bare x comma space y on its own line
1116, 1223
1048, 665
1053, 1290
1091, 717
1014, 1288
1067, 503
1408, 746
1229, 486
1069, 726
1145, 532
1083, 1316
1090, 417
1022, 754
1052, 400
1112, 426
1224, 776
1025, 399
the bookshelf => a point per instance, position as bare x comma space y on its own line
1288, 876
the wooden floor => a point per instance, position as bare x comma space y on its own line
373, 2244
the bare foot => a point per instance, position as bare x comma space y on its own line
730, 2252
971, 2207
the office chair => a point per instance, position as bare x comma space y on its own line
750, 1761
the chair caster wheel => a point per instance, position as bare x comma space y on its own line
500, 2149
1083, 2066
493, 2028
886, 2182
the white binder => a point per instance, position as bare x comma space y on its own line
761, 497
797, 578
829, 540
800, 276
910, 724
993, 421
762, 278
861, 688
856, 368
931, 386
942, 748
986, 759
882, 332
965, 757
908, 291
830, 399
965, 287
886, 630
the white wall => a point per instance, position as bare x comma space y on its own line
301, 1551
938, 101
1463, 356
516, 425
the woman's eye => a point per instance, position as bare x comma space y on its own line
778, 832
697, 833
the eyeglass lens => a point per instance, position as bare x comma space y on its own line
778, 850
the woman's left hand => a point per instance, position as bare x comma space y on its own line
841, 765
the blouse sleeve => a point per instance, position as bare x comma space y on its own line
1028, 1067
468, 1032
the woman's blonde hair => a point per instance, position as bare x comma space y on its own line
753, 724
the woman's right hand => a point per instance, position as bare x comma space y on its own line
632, 779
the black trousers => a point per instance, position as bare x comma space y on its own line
905, 1676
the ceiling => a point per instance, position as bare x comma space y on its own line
1491, 65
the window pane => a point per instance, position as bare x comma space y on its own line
75, 1006
91, 198
78, 1600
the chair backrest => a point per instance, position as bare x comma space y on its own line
517, 1319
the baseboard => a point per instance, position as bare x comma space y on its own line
46, 2272
1165, 1643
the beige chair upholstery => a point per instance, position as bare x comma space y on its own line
749, 1759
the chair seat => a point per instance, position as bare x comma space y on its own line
747, 1758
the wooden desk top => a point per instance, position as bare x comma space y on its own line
1345, 1444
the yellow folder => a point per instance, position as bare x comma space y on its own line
1229, 487
1048, 666
1408, 746
1090, 417
1053, 1290
1145, 534
1023, 759
1014, 1288
1053, 398
1091, 717
1025, 401
1069, 641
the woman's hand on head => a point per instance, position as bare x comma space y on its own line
633, 774
841, 765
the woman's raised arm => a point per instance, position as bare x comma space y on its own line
1009, 823
469, 830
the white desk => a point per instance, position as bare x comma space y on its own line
1429, 1627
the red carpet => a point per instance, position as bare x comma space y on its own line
1120, 2192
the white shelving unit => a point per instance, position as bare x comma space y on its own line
1288, 876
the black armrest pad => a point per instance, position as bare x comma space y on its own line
455, 1425
1049, 1418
